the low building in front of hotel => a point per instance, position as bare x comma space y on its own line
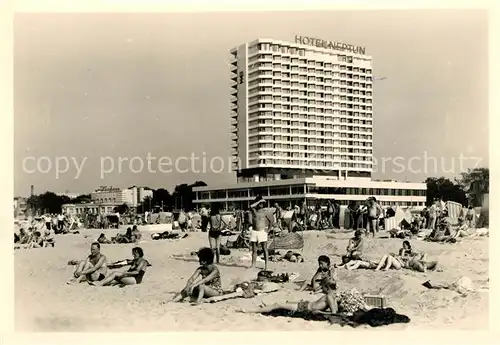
291, 192
90, 208
105, 199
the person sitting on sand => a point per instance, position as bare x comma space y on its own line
462, 229
210, 283
470, 217
36, 240
135, 235
49, 238
354, 248
132, 276
123, 238
24, 236
326, 302
93, 268
397, 261
103, 240
324, 271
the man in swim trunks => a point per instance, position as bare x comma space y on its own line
261, 226
93, 268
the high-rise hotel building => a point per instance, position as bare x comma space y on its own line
300, 110
302, 127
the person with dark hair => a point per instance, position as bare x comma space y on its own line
261, 226
353, 215
354, 248
204, 213
324, 271
132, 276
210, 283
374, 213
93, 268
326, 302
406, 258
135, 235
216, 227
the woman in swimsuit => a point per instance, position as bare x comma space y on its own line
397, 261
216, 225
208, 286
132, 276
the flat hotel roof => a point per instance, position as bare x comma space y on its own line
320, 182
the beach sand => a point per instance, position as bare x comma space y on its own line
43, 302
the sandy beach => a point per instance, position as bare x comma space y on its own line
43, 301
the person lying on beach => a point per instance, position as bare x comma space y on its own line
167, 235
463, 229
354, 248
357, 264
400, 260
324, 271
444, 233
326, 302
93, 268
132, 276
210, 283
289, 256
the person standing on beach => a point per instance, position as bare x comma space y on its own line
432, 217
216, 226
278, 213
204, 218
48, 221
261, 226
374, 212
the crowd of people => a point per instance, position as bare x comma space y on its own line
258, 225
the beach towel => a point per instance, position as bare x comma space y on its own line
245, 290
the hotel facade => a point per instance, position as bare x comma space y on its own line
302, 126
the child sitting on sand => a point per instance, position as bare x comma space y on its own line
210, 284
324, 271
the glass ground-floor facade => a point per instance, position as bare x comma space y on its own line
291, 192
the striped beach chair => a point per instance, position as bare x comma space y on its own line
454, 211
390, 223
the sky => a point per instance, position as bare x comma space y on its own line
90, 89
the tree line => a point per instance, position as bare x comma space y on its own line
181, 197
